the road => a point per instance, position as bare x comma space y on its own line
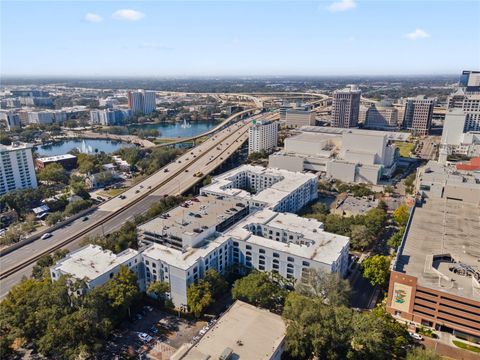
175, 178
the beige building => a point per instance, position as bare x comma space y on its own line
346, 106
381, 118
418, 115
300, 116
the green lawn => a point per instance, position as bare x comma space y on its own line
112, 192
405, 148
465, 346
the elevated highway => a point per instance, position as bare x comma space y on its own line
175, 178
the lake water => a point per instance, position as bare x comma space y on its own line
63, 147
174, 130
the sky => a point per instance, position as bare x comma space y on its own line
238, 38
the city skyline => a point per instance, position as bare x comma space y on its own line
122, 38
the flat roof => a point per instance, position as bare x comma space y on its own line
324, 247
442, 227
193, 216
391, 135
57, 158
288, 181
92, 261
357, 205
251, 333
15, 146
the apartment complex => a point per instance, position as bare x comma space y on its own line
300, 116
110, 116
95, 266
47, 117
435, 281
9, 120
418, 115
263, 135
16, 167
381, 118
141, 102
346, 106
275, 189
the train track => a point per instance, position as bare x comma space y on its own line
109, 217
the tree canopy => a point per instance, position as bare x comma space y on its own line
376, 269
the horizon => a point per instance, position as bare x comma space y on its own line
167, 39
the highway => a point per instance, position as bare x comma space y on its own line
175, 178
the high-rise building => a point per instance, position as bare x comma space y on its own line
10, 120
467, 98
346, 106
109, 116
17, 170
381, 118
141, 102
300, 116
263, 135
418, 115
41, 117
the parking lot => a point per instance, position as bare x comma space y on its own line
153, 334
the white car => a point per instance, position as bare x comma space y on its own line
46, 236
415, 336
145, 337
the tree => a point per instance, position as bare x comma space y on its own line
207, 180
259, 289
376, 269
79, 188
122, 290
382, 205
54, 218
42, 268
422, 354
54, 173
199, 297
375, 221
329, 287
396, 239
76, 206
361, 237
401, 215
320, 208
218, 285
5, 139
389, 189
159, 289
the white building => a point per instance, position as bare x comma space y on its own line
300, 116
10, 120
96, 266
454, 138
17, 170
263, 135
141, 101
276, 189
351, 155
109, 116
467, 98
149, 104
41, 117
242, 332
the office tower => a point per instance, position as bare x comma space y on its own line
346, 106
283, 111
300, 116
381, 118
263, 135
418, 115
141, 102
467, 98
16, 167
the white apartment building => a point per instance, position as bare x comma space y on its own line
149, 104
95, 266
141, 101
41, 117
276, 189
10, 120
17, 170
300, 116
263, 135
109, 116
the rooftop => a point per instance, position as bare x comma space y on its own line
323, 246
250, 332
15, 146
92, 261
356, 205
391, 135
449, 228
57, 158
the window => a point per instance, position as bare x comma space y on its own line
235, 243
262, 262
147, 262
305, 263
289, 270
249, 247
275, 261
290, 259
154, 265
261, 267
261, 257
275, 266
276, 255
261, 251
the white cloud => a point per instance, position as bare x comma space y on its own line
417, 34
128, 15
342, 5
94, 18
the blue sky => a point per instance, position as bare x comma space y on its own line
180, 38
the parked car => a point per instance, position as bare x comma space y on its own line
145, 337
85, 218
46, 236
415, 336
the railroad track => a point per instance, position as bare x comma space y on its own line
109, 217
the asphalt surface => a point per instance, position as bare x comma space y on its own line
201, 159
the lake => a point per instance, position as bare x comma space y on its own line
64, 146
174, 130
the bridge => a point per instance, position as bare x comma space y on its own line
175, 178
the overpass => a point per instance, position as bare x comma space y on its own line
175, 178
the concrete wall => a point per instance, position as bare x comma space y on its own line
286, 162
